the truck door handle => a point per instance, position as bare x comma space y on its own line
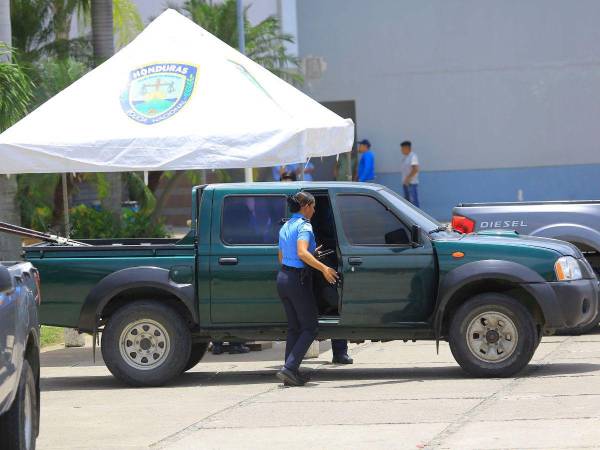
355, 261
228, 261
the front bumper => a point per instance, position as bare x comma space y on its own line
578, 301
566, 304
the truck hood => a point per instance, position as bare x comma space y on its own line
501, 237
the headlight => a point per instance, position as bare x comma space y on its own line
567, 268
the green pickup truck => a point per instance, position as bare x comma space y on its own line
158, 302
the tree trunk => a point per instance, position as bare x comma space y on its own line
10, 246
102, 30
161, 201
112, 202
104, 48
5, 27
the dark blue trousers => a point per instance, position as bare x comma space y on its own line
301, 310
339, 347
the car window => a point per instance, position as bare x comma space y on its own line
414, 214
366, 221
252, 219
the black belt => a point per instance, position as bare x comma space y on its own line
291, 269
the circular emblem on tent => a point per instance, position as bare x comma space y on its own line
158, 91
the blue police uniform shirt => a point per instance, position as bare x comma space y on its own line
298, 228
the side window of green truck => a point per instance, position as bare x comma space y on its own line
252, 219
368, 222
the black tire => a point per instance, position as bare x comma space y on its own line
524, 333
197, 353
145, 318
18, 425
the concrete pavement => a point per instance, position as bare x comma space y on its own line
396, 395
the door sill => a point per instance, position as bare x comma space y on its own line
329, 320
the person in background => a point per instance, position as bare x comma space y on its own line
288, 176
366, 166
340, 169
308, 168
278, 171
234, 347
409, 168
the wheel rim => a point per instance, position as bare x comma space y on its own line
144, 344
28, 425
492, 336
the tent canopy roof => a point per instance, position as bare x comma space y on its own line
175, 98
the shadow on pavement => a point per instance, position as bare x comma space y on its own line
71, 357
386, 375
558, 368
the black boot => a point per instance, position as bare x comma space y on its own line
238, 348
290, 378
342, 359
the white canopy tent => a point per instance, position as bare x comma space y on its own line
175, 98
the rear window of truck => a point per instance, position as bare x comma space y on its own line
252, 219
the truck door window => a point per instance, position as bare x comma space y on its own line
252, 219
366, 221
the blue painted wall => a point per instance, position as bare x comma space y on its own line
439, 191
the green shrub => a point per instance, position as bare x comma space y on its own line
138, 224
89, 223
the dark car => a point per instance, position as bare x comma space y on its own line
19, 356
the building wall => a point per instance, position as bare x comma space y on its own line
497, 96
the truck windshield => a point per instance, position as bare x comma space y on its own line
426, 222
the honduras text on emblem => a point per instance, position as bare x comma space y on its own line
158, 91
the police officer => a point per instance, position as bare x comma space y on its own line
294, 284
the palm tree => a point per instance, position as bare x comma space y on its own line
265, 42
15, 93
104, 48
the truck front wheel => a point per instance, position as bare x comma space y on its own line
146, 343
492, 335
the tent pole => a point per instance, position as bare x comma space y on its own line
146, 177
66, 205
242, 48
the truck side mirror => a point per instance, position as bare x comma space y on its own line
415, 236
6, 282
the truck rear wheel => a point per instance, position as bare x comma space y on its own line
146, 343
197, 353
492, 335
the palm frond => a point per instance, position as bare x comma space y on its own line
16, 91
127, 22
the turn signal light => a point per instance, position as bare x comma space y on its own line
458, 255
463, 224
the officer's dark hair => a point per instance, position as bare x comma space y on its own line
406, 144
300, 199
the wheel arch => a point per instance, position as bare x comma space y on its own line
579, 235
505, 277
138, 283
